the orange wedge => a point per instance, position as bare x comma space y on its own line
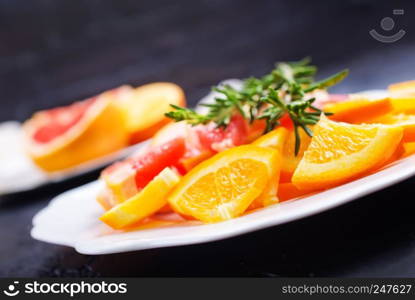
64, 137
358, 109
407, 122
403, 97
223, 186
151, 199
288, 191
191, 162
409, 149
403, 88
275, 140
290, 161
144, 110
403, 104
340, 152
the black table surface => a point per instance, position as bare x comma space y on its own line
53, 52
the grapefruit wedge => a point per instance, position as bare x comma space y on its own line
63, 137
144, 109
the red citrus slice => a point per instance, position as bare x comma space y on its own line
64, 137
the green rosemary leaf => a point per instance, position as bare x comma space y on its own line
328, 82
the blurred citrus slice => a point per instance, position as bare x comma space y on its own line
223, 186
290, 161
402, 96
288, 191
409, 149
274, 140
407, 122
358, 109
144, 109
339, 152
402, 88
145, 203
120, 180
64, 137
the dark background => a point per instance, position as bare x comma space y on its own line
54, 51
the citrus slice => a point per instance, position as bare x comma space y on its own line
120, 180
275, 140
409, 149
403, 104
106, 198
402, 88
288, 191
189, 163
402, 96
358, 109
151, 199
144, 110
340, 152
64, 137
290, 161
223, 186
407, 122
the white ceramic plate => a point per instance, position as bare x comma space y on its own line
71, 219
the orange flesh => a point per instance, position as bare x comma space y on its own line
144, 110
406, 87
290, 161
406, 122
341, 152
223, 186
288, 191
358, 110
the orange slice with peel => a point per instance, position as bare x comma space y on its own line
407, 122
189, 163
403, 88
223, 186
402, 96
290, 161
409, 149
358, 109
144, 110
340, 152
275, 140
288, 191
403, 104
148, 201
64, 137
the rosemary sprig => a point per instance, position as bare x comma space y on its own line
283, 91
184, 113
